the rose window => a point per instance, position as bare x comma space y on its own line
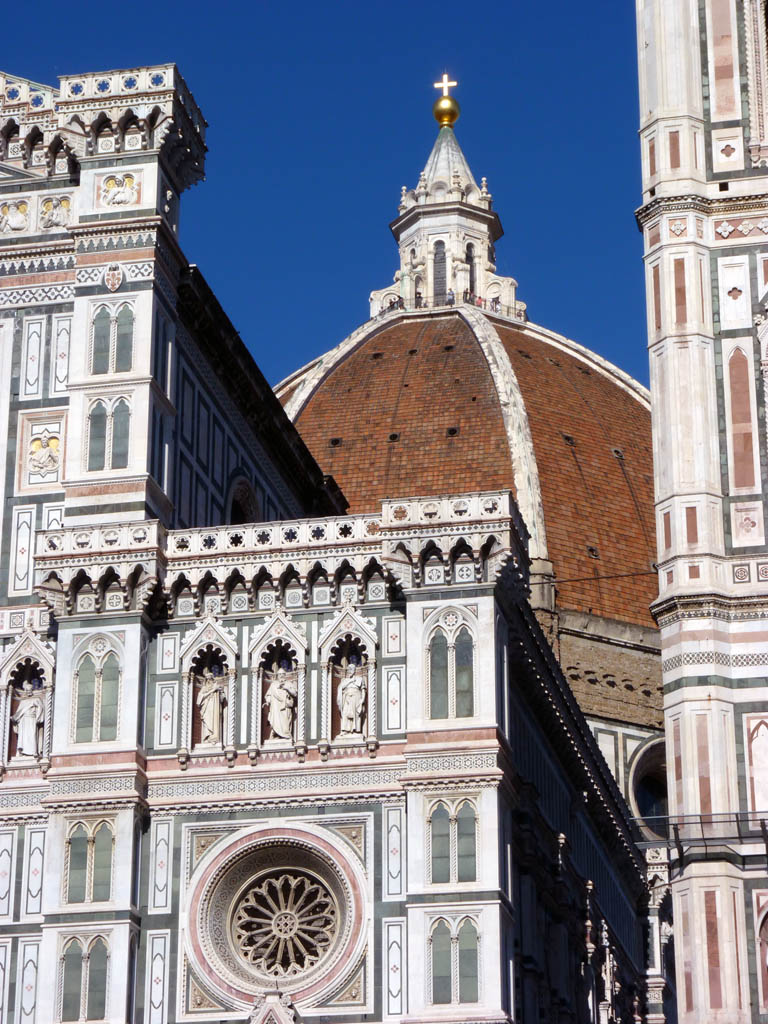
275, 906
285, 924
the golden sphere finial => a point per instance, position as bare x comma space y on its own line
446, 108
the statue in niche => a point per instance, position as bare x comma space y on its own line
281, 699
350, 699
44, 455
28, 720
210, 699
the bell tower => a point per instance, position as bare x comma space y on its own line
704, 219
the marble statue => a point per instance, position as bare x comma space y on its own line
210, 700
350, 700
281, 698
28, 720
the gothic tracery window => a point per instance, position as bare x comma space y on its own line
454, 976
451, 684
112, 341
88, 869
441, 963
97, 687
83, 979
108, 435
453, 843
468, 963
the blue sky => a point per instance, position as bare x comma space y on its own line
318, 113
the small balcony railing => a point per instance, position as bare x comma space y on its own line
492, 305
702, 833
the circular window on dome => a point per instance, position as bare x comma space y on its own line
649, 789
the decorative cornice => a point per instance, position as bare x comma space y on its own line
725, 205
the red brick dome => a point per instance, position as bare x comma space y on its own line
451, 401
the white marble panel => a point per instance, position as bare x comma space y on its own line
32, 880
168, 653
393, 853
5, 967
395, 973
160, 854
22, 548
394, 698
165, 714
393, 630
26, 981
156, 992
7, 872
31, 384
62, 331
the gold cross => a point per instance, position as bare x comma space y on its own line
445, 85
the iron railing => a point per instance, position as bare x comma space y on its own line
495, 306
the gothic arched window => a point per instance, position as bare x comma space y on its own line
97, 698
439, 274
112, 340
77, 865
453, 843
464, 658
102, 335
470, 258
124, 340
97, 437
110, 681
88, 868
440, 825
86, 693
454, 962
72, 981
97, 981
441, 963
451, 674
466, 854
84, 980
121, 423
468, 973
109, 433
101, 881
438, 676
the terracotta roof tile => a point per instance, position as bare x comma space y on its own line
418, 379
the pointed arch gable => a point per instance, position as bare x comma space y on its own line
27, 646
450, 619
208, 632
99, 646
280, 626
348, 621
